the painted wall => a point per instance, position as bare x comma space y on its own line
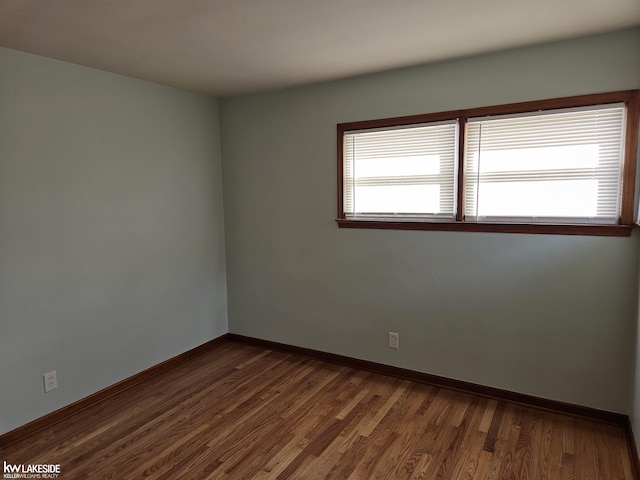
111, 230
551, 316
635, 380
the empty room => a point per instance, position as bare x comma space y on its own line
308, 240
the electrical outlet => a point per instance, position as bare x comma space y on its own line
50, 381
394, 340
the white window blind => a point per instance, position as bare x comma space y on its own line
544, 167
401, 172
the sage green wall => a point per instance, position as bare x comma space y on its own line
551, 316
635, 382
111, 230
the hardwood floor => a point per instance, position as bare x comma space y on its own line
243, 412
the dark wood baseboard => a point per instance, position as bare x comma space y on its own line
86, 402
467, 387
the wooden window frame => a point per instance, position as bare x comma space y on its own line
631, 99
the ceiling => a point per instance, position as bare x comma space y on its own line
230, 47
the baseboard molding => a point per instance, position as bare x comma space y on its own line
86, 402
467, 387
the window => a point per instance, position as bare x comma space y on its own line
561, 166
405, 171
554, 166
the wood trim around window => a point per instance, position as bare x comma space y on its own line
631, 152
624, 227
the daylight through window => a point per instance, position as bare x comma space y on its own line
529, 167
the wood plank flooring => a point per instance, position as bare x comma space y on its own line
243, 412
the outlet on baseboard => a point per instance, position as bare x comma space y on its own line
50, 381
394, 340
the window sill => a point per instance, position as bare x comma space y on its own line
550, 229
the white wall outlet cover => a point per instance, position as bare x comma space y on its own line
394, 340
50, 381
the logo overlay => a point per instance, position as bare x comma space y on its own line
30, 471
